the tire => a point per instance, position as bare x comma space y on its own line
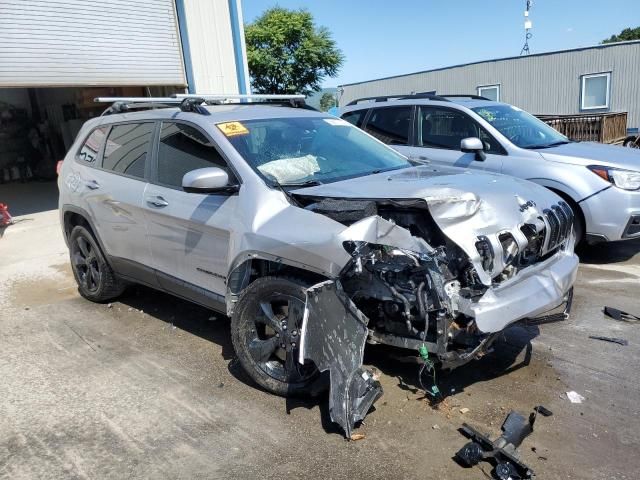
265, 329
95, 278
632, 142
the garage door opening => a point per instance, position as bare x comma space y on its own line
37, 128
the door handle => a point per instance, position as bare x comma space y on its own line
92, 184
157, 201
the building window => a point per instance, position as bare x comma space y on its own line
594, 93
492, 92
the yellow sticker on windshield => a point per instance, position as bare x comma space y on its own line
231, 129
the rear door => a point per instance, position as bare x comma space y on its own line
188, 233
439, 131
114, 193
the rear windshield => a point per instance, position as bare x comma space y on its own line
293, 151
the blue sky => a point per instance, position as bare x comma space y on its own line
384, 37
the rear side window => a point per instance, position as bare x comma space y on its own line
127, 149
182, 149
445, 128
390, 125
90, 149
355, 118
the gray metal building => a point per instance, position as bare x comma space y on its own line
602, 78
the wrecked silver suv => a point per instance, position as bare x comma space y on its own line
314, 237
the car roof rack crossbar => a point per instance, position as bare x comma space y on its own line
294, 100
384, 98
195, 102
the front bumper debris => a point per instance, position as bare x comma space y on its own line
333, 336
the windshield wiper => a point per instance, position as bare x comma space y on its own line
307, 183
548, 145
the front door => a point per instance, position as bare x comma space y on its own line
439, 131
187, 233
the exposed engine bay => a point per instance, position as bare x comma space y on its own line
410, 298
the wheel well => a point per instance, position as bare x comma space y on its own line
73, 219
573, 204
247, 272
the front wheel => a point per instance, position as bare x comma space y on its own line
265, 331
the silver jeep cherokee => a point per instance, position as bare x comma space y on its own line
600, 182
313, 236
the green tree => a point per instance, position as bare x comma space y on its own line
327, 100
288, 53
625, 35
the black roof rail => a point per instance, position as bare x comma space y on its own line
195, 103
462, 95
404, 96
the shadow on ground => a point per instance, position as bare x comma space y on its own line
611, 252
502, 360
397, 363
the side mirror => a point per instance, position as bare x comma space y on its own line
207, 180
473, 145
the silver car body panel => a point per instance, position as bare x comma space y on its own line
561, 168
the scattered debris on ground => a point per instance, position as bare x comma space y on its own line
620, 315
575, 397
501, 452
357, 436
619, 341
544, 411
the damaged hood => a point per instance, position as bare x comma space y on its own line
464, 204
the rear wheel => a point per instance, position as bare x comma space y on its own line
95, 278
265, 330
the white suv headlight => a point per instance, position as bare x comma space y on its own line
625, 179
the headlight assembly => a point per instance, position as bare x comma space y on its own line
625, 179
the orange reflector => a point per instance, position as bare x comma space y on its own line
602, 173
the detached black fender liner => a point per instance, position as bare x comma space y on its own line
333, 336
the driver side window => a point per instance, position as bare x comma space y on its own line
445, 128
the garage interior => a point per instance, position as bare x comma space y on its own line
37, 128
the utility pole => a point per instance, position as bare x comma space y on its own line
527, 28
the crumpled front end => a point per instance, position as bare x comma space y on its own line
398, 289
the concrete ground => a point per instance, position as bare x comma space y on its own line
147, 387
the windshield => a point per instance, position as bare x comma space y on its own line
520, 127
303, 150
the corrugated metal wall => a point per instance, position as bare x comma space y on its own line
51, 43
540, 84
211, 45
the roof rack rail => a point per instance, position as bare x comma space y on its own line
462, 95
404, 96
194, 102
126, 104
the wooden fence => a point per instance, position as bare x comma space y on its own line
599, 127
